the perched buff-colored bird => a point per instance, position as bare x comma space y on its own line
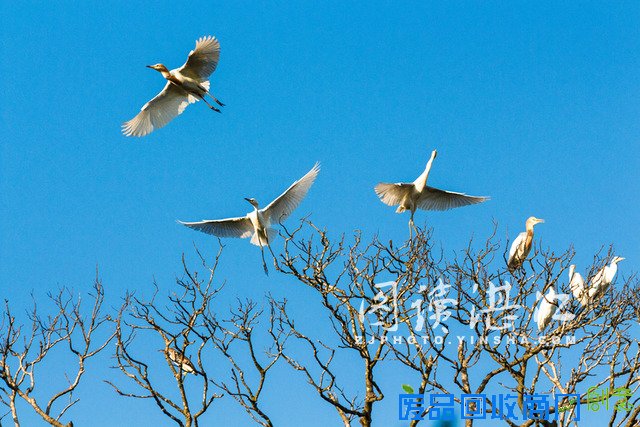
257, 223
185, 85
180, 361
521, 246
547, 309
410, 196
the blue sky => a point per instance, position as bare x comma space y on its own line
535, 105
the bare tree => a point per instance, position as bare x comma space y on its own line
495, 348
26, 350
345, 279
240, 331
182, 331
527, 361
189, 326
461, 324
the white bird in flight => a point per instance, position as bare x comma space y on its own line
603, 278
410, 196
576, 284
257, 224
521, 246
547, 309
185, 85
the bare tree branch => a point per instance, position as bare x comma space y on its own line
23, 350
182, 331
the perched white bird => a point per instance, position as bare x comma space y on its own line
410, 196
185, 85
180, 361
547, 309
576, 284
521, 246
603, 278
257, 223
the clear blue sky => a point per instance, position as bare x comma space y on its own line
537, 106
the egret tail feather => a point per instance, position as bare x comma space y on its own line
264, 239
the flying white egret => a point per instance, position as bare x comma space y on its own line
547, 309
257, 223
185, 85
521, 246
603, 278
576, 284
410, 196
180, 361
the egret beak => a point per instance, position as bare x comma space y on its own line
620, 259
434, 153
540, 220
252, 202
149, 66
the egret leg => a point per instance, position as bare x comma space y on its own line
271, 250
264, 263
411, 226
210, 106
216, 99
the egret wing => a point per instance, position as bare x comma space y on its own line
577, 288
599, 277
576, 284
514, 247
163, 108
392, 194
597, 282
231, 227
203, 60
434, 199
546, 311
287, 202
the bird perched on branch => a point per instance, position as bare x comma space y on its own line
180, 361
598, 285
185, 85
521, 246
603, 278
257, 224
576, 284
410, 196
547, 309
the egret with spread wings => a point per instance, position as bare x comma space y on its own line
185, 85
418, 195
257, 224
